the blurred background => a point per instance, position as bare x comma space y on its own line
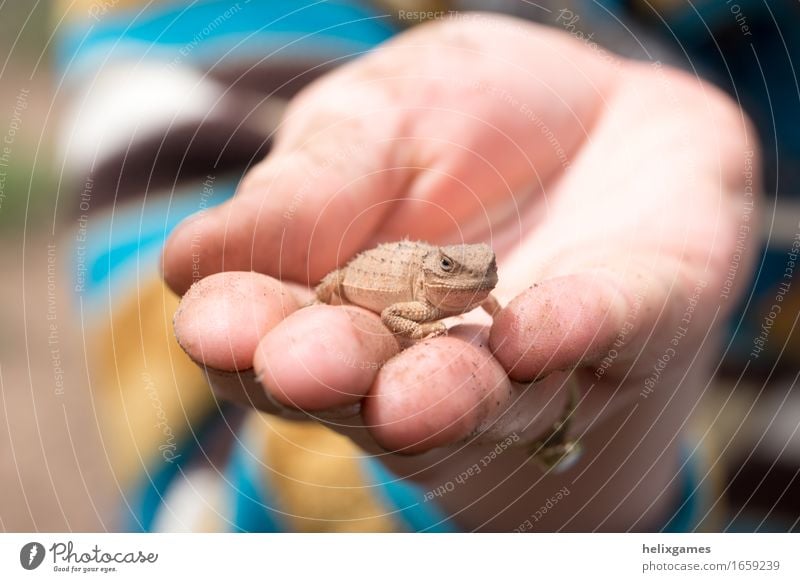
54, 473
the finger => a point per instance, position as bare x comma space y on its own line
323, 357
450, 390
281, 222
244, 388
570, 321
222, 318
241, 387
309, 205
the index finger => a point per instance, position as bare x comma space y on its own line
221, 319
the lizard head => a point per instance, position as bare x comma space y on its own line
459, 277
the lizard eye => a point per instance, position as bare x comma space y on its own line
447, 264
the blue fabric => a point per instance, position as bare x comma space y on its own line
689, 512
244, 487
250, 492
147, 498
253, 506
207, 30
407, 501
120, 247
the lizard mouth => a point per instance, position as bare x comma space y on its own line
462, 296
485, 284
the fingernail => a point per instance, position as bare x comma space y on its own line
339, 413
242, 388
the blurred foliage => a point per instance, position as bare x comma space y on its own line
25, 28
28, 190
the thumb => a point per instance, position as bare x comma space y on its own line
296, 215
575, 320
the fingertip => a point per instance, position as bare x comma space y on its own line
323, 357
241, 388
557, 324
221, 318
435, 393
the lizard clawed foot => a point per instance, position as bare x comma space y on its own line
429, 330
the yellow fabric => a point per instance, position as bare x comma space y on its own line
317, 479
150, 393
148, 389
711, 470
92, 10
783, 332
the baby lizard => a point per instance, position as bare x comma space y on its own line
415, 284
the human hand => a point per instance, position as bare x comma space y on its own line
609, 189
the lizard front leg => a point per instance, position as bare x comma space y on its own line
412, 319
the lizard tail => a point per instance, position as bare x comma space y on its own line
328, 288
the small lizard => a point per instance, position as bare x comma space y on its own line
415, 284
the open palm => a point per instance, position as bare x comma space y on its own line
609, 189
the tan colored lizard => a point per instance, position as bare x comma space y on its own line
415, 284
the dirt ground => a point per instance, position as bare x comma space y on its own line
53, 470
53, 473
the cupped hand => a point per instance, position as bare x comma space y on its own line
610, 190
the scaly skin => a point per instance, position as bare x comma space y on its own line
414, 284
